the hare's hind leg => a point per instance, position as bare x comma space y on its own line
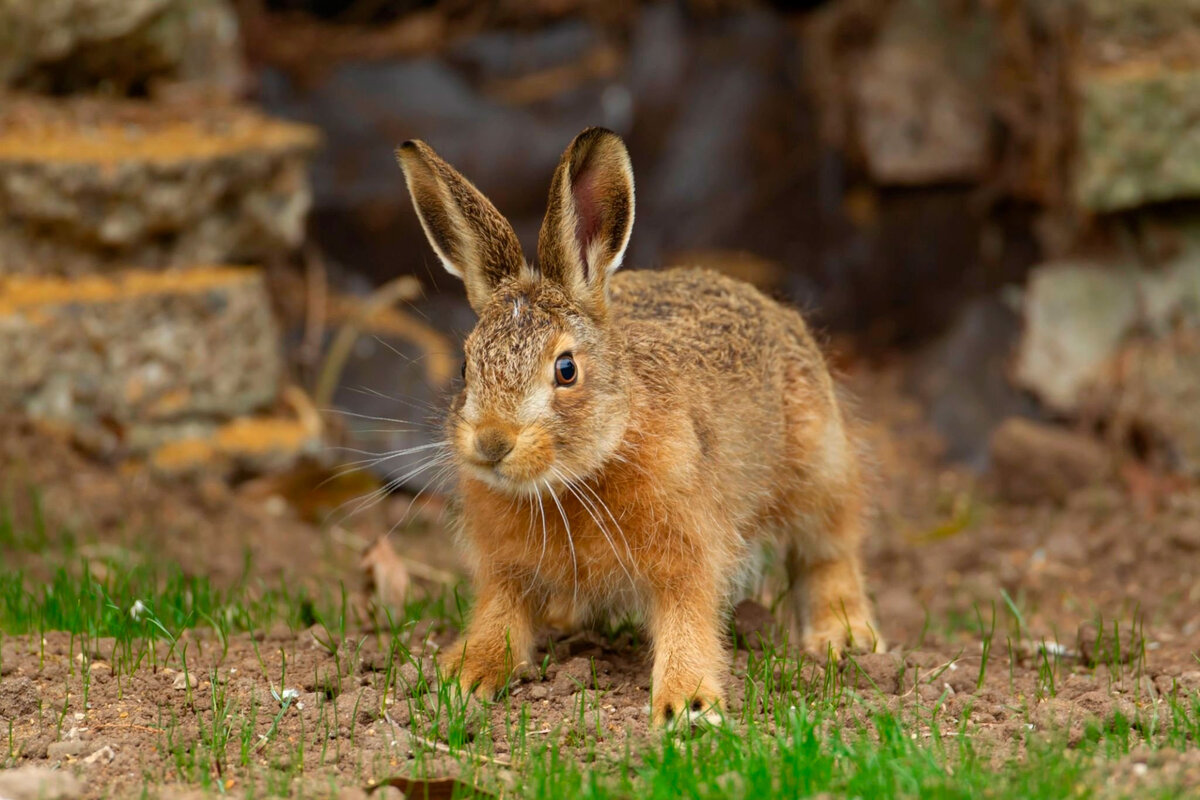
829, 601
822, 541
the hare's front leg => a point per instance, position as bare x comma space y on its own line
497, 641
689, 655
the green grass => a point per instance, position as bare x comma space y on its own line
803, 731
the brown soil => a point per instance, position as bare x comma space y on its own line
943, 551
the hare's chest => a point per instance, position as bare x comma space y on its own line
573, 542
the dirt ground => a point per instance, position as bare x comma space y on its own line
944, 553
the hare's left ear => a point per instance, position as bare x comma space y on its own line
471, 238
589, 216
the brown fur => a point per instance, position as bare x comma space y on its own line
703, 422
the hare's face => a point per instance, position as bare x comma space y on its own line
541, 404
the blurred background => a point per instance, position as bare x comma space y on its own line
211, 275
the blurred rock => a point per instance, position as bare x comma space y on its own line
122, 358
1137, 87
1079, 315
1138, 138
72, 45
88, 184
919, 119
963, 379
1150, 392
902, 83
1115, 30
1033, 463
1076, 315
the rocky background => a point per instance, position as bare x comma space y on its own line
205, 243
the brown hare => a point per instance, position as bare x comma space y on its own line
627, 441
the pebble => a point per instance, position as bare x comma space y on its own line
59, 751
104, 755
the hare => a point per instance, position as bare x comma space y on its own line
628, 440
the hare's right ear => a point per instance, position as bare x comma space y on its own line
471, 238
589, 216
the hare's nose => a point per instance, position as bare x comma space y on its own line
493, 444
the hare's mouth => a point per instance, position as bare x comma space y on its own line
514, 479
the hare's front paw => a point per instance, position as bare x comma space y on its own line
690, 699
475, 670
835, 635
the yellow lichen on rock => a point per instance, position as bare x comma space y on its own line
175, 142
255, 443
23, 292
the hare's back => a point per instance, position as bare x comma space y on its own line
709, 321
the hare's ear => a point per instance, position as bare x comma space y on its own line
589, 216
472, 239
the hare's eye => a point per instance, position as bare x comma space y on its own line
565, 372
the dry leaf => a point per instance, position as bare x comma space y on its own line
386, 575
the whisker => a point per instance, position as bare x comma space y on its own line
355, 466
373, 418
437, 476
413, 403
583, 484
388, 453
592, 512
571, 544
545, 536
378, 494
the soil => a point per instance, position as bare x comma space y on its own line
945, 553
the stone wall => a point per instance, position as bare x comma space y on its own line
131, 316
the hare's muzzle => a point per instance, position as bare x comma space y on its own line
492, 444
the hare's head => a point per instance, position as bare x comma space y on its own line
543, 400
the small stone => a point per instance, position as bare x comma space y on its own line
60, 751
1032, 462
408, 679
873, 671
539, 691
594, 720
579, 673
1076, 315
368, 706
104, 755
1185, 534
184, 680
1067, 547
